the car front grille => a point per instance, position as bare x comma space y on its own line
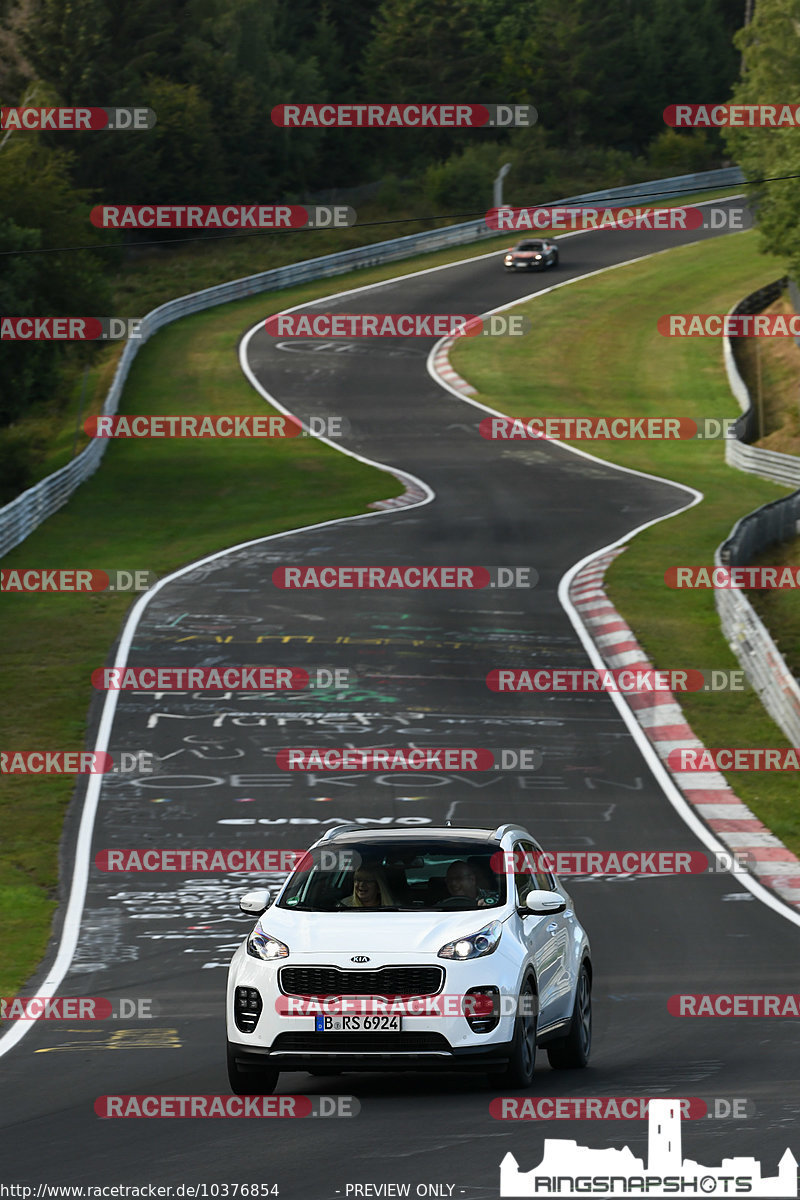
387, 981
360, 1043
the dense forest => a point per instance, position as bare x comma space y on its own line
599, 74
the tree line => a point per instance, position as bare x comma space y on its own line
599, 73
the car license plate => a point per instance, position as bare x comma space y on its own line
363, 1023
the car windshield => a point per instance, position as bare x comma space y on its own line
529, 246
407, 876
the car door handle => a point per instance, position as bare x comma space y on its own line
552, 927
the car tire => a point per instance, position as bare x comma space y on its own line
250, 1083
573, 1051
522, 1063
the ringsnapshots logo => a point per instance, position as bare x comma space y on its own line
75, 120
568, 1170
403, 116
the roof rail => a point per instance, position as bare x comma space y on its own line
502, 830
329, 833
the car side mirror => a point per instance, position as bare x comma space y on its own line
253, 904
545, 904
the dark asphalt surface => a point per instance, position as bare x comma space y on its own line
419, 661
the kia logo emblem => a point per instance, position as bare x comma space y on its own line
359, 958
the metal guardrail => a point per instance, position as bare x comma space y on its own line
778, 521
19, 518
739, 453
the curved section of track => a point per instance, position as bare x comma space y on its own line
420, 660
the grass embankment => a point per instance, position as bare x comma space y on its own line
596, 352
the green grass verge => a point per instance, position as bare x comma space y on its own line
595, 351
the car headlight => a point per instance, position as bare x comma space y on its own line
537, 256
262, 945
509, 258
474, 945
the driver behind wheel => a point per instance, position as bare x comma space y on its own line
462, 881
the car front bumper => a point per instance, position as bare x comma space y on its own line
464, 1058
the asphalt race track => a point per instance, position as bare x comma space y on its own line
419, 662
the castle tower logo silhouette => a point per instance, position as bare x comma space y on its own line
568, 1169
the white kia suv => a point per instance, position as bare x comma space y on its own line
412, 949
